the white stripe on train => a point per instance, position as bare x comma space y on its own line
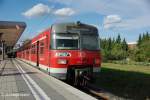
55, 70
39, 39
49, 69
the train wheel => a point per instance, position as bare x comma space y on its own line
71, 76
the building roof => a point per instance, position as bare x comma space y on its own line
11, 31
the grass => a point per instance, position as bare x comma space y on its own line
127, 81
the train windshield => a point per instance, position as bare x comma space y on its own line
67, 41
71, 41
90, 42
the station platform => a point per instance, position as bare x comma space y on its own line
20, 81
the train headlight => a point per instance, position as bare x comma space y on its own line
62, 61
97, 61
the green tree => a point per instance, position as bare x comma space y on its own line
117, 52
139, 40
118, 40
143, 48
124, 45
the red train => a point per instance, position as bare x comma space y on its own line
65, 51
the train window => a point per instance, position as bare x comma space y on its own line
23, 54
66, 41
41, 47
41, 50
90, 42
33, 49
27, 51
41, 43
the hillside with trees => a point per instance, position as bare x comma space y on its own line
142, 52
114, 49
117, 49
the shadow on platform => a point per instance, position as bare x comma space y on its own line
13, 74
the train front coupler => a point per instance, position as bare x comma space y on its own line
82, 76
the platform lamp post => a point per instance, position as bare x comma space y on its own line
3, 49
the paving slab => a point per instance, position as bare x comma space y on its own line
20, 81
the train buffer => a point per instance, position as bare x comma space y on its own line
20, 81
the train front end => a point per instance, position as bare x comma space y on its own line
75, 52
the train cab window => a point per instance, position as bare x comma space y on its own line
65, 41
90, 42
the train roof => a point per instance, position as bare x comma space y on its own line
74, 27
71, 27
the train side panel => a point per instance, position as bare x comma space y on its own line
37, 51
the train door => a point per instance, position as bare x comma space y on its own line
37, 54
30, 53
42, 59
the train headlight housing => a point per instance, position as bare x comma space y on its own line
62, 61
97, 61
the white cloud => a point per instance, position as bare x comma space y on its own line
133, 12
117, 23
111, 21
64, 12
37, 10
41, 9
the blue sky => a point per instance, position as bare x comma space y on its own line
128, 18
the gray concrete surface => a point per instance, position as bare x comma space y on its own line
20, 81
12, 86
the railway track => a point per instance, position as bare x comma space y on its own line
94, 91
86, 86
97, 92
